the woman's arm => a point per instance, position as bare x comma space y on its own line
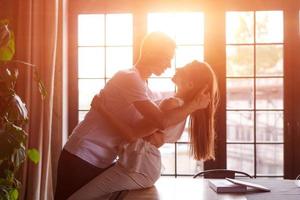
163, 119
157, 138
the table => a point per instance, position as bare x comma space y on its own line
169, 188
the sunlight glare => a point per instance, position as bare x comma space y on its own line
87, 88
189, 28
118, 29
124, 61
239, 27
163, 22
186, 54
272, 26
90, 29
91, 62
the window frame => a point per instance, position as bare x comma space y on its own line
214, 53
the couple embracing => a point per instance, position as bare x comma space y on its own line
116, 146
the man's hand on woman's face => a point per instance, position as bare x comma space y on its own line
201, 100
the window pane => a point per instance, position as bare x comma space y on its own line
117, 58
189, 28
90, 29
240, 126
168, 158
241, 157
239, 60
269, 126
185, 135
239, 93
270, 159
163, 22
87, 89
186, 54
269, 93
185, 28
239, 27
269, 60
161, 85
91, 62
185, 162
119, 29
269, 26
81, 115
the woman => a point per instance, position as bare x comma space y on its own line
139, 163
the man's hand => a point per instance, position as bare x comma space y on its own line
201, 100
156, 139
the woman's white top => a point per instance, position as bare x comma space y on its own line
143, 157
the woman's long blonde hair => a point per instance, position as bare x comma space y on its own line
202, 122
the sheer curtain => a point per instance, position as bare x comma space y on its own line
38, 27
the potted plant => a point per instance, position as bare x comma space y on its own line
13, 118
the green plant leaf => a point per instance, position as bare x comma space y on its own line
4, 192
33, 155
11, 139
14, 194
41, 86
17, 113
19, 156
17, 183
7, 82
7, 43
9, 175
16, 134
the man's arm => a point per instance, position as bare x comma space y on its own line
141, 129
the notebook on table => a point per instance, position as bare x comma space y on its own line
228, 185
248, 184
225, 186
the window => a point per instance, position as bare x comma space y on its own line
99, 44
254, 77
247, 43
